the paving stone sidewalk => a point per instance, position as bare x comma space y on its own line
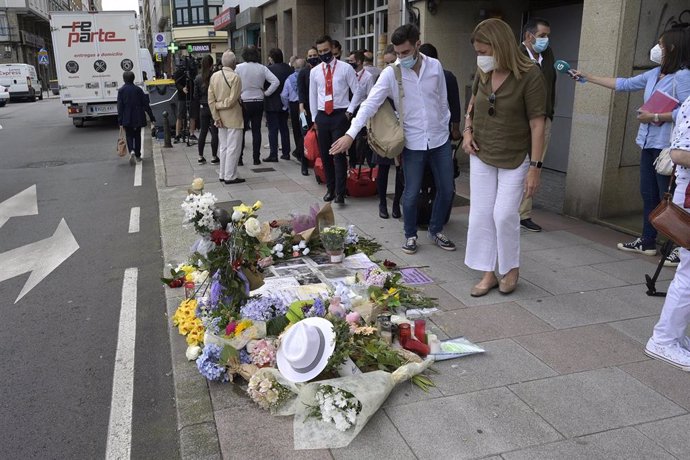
564, 375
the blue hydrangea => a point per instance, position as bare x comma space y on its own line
245, 358
318, 309
264, 308
208, 365
211, 324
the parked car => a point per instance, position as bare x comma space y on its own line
21, 80
4, 96
54, 87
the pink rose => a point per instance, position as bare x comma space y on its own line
353, 317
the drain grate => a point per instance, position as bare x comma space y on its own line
260, 170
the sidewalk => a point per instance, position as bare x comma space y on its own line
564, 375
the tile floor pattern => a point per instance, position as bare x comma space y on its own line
564, 375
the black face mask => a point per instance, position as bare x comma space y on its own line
313, 61
354, 65
326, 57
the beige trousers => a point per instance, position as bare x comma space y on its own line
526, 205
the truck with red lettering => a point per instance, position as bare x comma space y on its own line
92, 51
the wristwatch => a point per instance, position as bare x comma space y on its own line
656, 118
536, 164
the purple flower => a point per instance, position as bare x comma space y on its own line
318, 309
245, 358
208, 365
264, 308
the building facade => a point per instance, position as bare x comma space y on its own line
192, 28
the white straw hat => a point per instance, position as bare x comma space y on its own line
305, 349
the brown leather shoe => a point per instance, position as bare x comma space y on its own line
478, 291
505, 287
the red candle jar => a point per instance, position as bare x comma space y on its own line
416, 346
189, 290
404, 333
420, 330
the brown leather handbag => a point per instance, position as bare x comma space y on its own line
670, 219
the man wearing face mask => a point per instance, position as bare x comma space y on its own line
330, 84
536, 46
303, 83
426, 118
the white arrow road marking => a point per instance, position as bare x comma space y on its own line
120, 424
22, 204
39, 258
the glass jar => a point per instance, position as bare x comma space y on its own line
420, 330
404, 333
189, 290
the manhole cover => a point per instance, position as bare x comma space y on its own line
263, 169
46, 164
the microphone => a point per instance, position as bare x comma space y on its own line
564, 68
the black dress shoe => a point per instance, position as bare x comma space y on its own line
329, 196
396, 212
235, 181
240, 163
285, 157
340, 199
215, 161
305, 172
201, 160
383, 212
257, 162
270, 160
528, 224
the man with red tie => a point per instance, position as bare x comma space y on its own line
330, 84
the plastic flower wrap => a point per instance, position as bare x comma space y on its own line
302, 222
265, 390
238, 334
351, 237
336, 406
198, 210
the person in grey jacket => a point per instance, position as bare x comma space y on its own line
254, 77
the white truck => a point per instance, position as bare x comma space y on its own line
92, 50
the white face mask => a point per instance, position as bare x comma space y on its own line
486, 63
656, 54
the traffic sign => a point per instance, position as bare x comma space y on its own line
43, 59
173, 48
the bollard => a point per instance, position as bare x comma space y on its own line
167, 141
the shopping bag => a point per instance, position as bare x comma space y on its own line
121, 143
311, 146
361, 181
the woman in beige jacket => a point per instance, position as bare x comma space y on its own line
224, 101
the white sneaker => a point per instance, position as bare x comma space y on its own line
673, 354
132, 159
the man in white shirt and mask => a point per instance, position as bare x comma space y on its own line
426, 118
330, 84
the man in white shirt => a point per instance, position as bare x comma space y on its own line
369, 65
426, 118
330, 84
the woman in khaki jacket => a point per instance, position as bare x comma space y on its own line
224, 101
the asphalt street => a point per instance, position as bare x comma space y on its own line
63, 288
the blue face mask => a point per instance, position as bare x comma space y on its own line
408, 62
540, 44
327, 57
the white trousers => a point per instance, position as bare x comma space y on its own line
229, 149
675, 315
494, 229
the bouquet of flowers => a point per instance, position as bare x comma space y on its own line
336, 406
187, 322
333, 240
198, 211
265, 390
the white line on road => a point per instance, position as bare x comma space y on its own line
142, 141
137, 175
134, 219
120, 425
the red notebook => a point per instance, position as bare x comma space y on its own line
660, 102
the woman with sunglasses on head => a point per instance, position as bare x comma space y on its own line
671, 76
504, 136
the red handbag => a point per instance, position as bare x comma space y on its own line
311, 146
361, 181
319, 172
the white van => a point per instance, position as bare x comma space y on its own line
21, 80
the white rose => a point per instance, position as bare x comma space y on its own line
253, 227
193, 352
236, 216
278, 247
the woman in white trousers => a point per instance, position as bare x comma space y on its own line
669, 342
505, 121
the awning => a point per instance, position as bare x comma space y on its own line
224, 19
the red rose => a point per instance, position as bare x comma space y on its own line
230, 328
219, 236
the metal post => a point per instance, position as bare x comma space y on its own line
166, 131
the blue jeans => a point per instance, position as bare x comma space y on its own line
652, 188
440, 159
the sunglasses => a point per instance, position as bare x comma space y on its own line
492, 101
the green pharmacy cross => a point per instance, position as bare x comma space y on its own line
173, 48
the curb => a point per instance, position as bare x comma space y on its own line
196, 424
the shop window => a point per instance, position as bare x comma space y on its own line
366, 20
194, 12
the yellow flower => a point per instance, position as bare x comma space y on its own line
244, 324
243, 208
187, 269
257, 205
189, 277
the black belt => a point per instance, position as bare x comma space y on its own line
334, 111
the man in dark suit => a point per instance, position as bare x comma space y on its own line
536, 46
276, 116
132, 107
